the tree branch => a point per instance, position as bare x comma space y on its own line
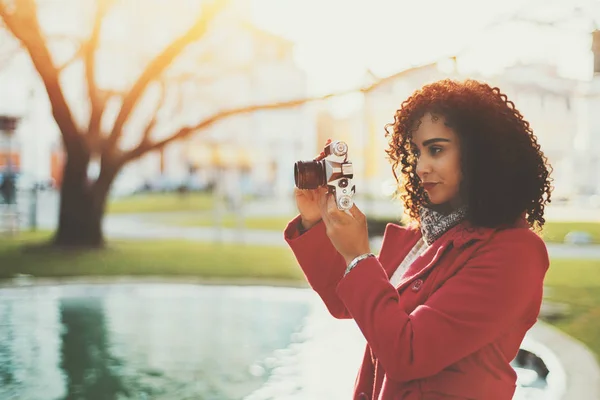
22, 22
71, 60
63, 37
108, 93
186, 131
97, 105
209, 76
158, 65
150, 127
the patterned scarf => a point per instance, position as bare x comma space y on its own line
434, 224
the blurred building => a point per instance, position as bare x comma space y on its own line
562, 113
258, 147
234, 65
252, 152
28, 150
238, 65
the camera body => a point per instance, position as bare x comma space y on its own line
332, 169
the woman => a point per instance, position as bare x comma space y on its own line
446, 303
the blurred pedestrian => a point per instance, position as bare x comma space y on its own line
8, 188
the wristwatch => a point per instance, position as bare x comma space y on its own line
356, 260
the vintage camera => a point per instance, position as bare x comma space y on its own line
332, 169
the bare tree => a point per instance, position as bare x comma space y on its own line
82, 202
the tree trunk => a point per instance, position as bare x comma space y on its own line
82, 204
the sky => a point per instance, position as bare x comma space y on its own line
338, 40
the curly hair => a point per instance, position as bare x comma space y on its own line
505, 174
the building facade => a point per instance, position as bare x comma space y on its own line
235, 65
562, 113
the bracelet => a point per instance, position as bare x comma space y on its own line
356, 260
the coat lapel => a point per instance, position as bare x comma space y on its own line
396, 248
423, 264
457, 237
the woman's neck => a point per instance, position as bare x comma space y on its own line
444, 209
447, 207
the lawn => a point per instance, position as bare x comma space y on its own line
577, 283
161, 202
162, 258
556, 231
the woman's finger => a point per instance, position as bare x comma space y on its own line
323, 198
356, 213
332, 209
335, 214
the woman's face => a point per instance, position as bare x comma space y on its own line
437, 149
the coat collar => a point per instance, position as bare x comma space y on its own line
465, 233
457, 237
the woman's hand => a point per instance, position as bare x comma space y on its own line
347, 231
307, 201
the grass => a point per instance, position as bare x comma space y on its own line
555, 231
21, 255
161, 202
577, 284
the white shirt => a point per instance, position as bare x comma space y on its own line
419, 248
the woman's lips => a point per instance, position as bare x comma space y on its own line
429, 185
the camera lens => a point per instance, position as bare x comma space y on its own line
309, 174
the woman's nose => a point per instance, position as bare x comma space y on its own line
423, 168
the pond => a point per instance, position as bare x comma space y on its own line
173, 341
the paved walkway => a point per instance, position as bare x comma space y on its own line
137, 227
140, 226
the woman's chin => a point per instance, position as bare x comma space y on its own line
435, 202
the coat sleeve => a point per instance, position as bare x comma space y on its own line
321, 263
499, 286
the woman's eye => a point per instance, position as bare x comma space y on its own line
435, 150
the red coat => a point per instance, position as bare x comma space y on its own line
454, 323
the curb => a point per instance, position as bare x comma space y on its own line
574, 370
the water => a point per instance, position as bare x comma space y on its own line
174, 341
143, 342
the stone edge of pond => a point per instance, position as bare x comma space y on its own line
578, 371
26, 281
